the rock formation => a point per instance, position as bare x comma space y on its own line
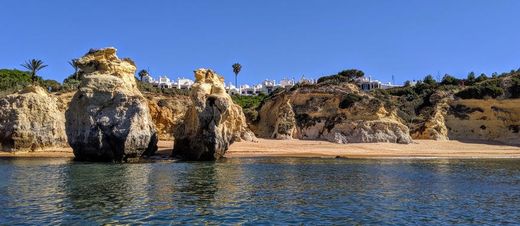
108, 118
337, 113
31, 121
212, 122
167, 113
435, 128
484, 120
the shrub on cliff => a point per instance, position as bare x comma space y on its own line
248, 102
342, 76
349, 99
514, 89
488, 89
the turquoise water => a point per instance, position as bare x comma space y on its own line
261, 190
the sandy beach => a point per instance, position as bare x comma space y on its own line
324, 149
418, 149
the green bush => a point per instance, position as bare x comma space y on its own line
13, 80
450, 80
247, 102
481, 92
348, 100
514, 89
342, 76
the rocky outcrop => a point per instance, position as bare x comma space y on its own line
167, 113
484, 120
108, 118
337, 113
30, 120
212, 123
277, 119
435, 127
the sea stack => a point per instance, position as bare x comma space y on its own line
31, 121
108, 118
212, 123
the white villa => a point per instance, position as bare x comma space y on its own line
265, 87
165, 82
367, 84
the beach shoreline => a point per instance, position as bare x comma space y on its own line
420, 149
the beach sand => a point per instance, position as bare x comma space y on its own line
324, 149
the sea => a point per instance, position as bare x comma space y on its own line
261, 191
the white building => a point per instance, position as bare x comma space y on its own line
287, 82
367, 84
148, 79
164, 82
232, 89
184, 83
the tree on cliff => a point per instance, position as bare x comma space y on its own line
34, 66
142, 73
236, 69
72, 63
343, 76
429, 80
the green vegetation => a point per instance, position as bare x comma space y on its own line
246, 102
349, 99
481, 91
14, 80
250, 104
514, 89
342, 77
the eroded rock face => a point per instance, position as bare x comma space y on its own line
484, 120
435, 127
30, 120
337, 113
108, 118
212, 122
167, 113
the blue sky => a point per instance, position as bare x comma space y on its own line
270, 38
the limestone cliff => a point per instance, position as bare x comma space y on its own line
30, 120
435, 127
212, 122
108, 118
167, 113
337, 113
485, 120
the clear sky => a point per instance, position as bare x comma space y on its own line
270, 38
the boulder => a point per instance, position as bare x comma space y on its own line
212, 123
31, 121
108, 118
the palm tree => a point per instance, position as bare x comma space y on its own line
236, 69
34, 66
73, 64
142, 73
